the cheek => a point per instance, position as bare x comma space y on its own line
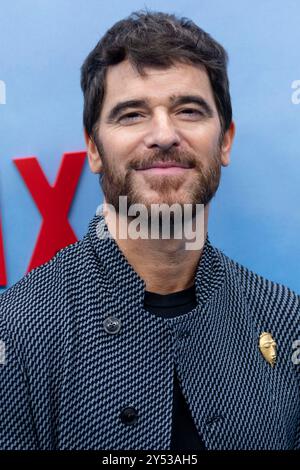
205, 140
120, 148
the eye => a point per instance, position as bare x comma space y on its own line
191, 112
129, 116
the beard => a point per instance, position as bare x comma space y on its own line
201, 190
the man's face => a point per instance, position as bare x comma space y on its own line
170, 118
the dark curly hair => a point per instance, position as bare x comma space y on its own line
154, 39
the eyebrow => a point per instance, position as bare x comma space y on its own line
175, 100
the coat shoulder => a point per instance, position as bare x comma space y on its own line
38, 294
266, 297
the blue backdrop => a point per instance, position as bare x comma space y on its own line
254, 218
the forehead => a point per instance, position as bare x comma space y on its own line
268, 340
124, 82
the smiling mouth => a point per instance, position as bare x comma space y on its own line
165, 168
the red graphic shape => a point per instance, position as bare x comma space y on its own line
53, 203
3, 277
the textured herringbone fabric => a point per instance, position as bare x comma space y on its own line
66, 380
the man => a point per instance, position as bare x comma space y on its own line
138, 342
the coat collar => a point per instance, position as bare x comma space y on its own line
123, 280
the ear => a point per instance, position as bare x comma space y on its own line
227, 144
94, 158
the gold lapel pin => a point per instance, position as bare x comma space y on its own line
267, 347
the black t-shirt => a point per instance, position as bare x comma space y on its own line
184, 433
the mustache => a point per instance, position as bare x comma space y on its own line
181, 158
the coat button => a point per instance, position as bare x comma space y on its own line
129, 415
112, 325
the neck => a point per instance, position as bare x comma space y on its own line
165, 265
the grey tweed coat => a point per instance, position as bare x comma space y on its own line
87, 367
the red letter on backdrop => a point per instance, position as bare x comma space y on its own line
53, 203
3, 279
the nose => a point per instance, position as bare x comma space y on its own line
162, 134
